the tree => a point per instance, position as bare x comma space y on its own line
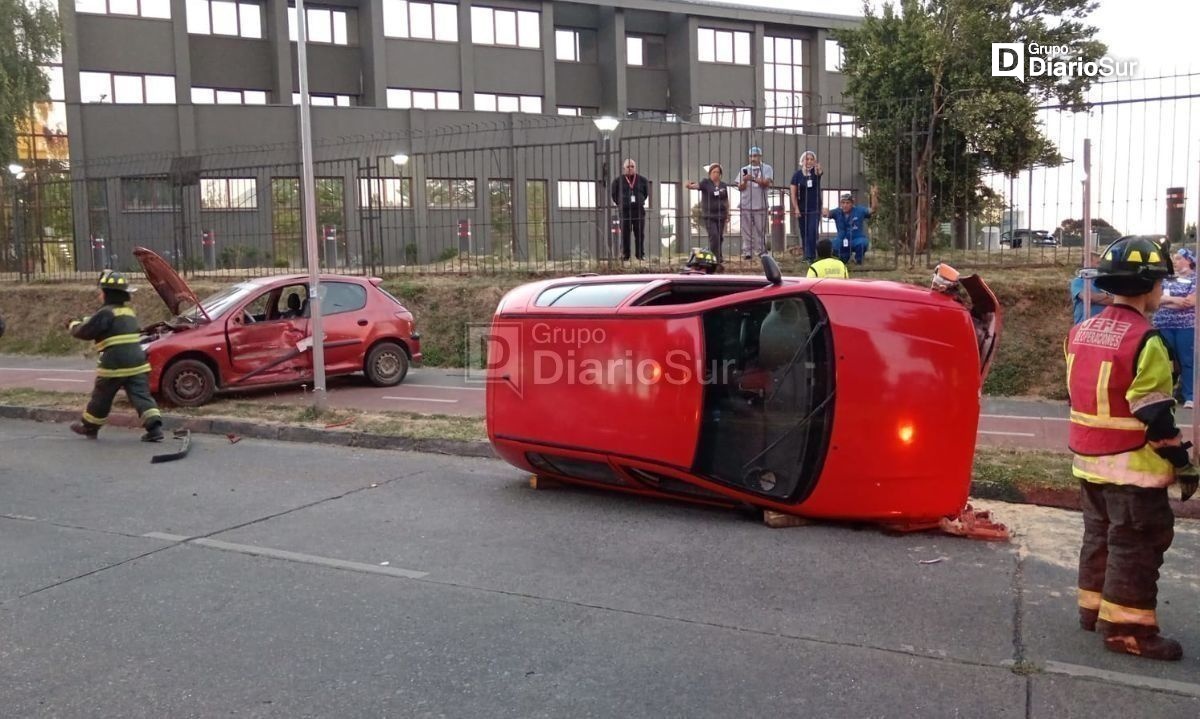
32, 40
934, 119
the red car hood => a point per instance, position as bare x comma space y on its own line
167, 282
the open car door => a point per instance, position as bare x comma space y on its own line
985, 313
167, 282
267, 345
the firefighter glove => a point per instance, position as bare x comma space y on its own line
1177, 455
1189, 479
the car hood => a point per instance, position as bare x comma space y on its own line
167, 282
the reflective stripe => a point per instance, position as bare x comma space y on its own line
1100, 422
123, 371
123, 312
1089, 599
1117, 614
118, 340
1140, 468
1151, 399
151, 413
74, 324
93, 419
1070, 364
1102, 406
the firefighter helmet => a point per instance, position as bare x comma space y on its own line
110, 280
1131, 265
702, 260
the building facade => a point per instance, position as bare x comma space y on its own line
180, 123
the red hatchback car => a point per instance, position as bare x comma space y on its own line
256, 333
845, 399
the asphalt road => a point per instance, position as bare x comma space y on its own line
282, 580
1023, 423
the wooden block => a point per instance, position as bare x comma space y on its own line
779, 520
536, 482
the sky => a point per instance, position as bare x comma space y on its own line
1138, 150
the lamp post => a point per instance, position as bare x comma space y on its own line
308, 190
606, 125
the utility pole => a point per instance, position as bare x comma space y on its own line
1087, 227
308, 190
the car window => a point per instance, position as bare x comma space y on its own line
343, 297
260, 306
591, 295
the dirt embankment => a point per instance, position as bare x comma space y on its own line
1037, 314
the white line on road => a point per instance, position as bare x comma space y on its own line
445, 386
43, 369
60, 379
423, 399
1017, 416
256, 551
1130, 680
1008, 434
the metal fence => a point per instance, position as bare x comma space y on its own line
489, 199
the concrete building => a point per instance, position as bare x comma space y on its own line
180, 121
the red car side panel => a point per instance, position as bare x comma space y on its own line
906, 412
616, 385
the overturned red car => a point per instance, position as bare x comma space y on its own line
256, 333
845, 399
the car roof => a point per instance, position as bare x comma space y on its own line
299, 278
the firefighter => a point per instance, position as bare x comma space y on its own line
1127, 452
115, 330
827, 265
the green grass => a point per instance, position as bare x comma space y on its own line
1008, 474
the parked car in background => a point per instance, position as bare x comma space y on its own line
1015, 239
1105, 236
256, 333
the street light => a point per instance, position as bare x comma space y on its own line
606, 125
400, 158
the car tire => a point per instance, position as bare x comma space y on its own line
386, 364
188, 383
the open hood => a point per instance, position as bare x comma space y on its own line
167, 282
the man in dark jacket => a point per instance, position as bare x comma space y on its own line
630, 192
115, 330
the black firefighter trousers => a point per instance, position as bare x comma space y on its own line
1126, 532
137, 390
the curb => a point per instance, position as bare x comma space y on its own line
1063, 498
273, 432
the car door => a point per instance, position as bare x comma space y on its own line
346, 325
266, 344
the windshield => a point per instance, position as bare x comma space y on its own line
768, 396
220, 303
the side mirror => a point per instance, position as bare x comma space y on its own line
771, 270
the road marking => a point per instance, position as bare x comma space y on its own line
445, 386
43, 369
1130, 680
1018, 416
60, 379
423, 399
1008, 434
256, 551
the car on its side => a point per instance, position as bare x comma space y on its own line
850, 399
257, 333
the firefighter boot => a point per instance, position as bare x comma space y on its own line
154, 432
85, 429
1088, 618
1153, 646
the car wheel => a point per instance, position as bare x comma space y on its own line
386, 365
188, 383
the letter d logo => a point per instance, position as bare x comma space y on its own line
1008, 60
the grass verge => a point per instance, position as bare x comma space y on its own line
1014, 475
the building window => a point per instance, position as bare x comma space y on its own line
835, 55
222, 17
225, 193
142, 194
667, 204
402, 99
42, 137
566, 46
325, 25
213, 96
725, 46
325, 100
157, 9
449, 194
386, 193
512, 28
661, 115
722, 116
783, 78
487, 102
420, 20
577, 194
634, 51
127, 89
500, 213
842, 125
571, 111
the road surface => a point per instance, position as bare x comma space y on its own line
282, 580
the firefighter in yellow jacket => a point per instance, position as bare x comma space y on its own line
114, 329
1127, 452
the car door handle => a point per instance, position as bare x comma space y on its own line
362, 323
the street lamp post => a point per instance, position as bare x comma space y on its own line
308, 188
606, 125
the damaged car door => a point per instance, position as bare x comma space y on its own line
268, 342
